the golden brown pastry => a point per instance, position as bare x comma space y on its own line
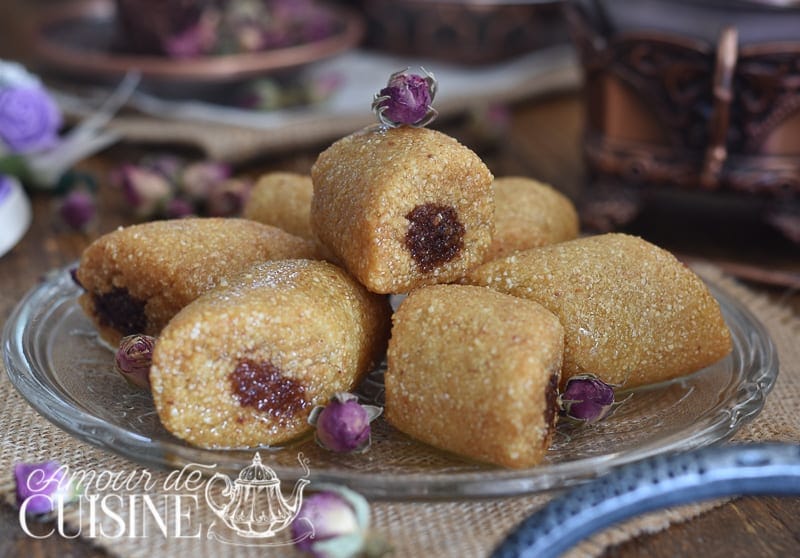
632, 313
283, 200
475, 372
529, 214
402, 207
244, 364
137, 278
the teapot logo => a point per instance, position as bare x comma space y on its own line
253, 505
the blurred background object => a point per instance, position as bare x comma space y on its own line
699, 97
463, 31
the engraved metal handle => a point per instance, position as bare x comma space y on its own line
654, 483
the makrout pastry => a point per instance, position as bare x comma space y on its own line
632, 313
137, 278
283, 200
475, 372
402, 207
244, 364
529, 214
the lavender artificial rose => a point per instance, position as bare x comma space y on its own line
29, 118
39, 486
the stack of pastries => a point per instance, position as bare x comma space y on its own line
260, 319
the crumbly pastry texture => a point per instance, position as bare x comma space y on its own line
402, 207
283, 200
244, 364
475, 372
529, 214
137, 278
632, 313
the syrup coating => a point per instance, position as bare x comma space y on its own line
633, 314
529, 214
137, 278
371, 189
475, 372
244, 364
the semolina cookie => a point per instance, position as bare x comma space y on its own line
283, 200
475, 372
137, 278
529, 214
632, 313
244, 364
402, 207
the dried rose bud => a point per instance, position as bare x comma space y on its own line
146, 190
198, 179
335, 523
178, 208
133, 359
227, 198
77, 209
343, 424
406, 99
586, 398
196, 40
39, 486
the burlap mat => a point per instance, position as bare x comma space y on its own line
468, 528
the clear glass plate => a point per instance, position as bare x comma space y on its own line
55, 360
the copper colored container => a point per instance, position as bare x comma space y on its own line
464, 31
699, 95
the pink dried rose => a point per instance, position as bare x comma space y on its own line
335, 523
406, 100
133, 359
147, 191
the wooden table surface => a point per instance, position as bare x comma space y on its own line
543, 141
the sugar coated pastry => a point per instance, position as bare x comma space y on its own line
475, 372
244, 365
402, 207
632, 313
529, 214
137, 278
283, 200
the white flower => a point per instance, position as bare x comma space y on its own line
14, 74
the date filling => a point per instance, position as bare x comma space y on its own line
118, 309
435, 235
263, 386
551, 399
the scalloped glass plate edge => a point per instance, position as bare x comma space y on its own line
754, 356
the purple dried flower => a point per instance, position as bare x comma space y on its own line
177, 208
29, 119
133, 359
335, 523
586, 398
77, 209
41, 485
343, 424
147, 191
197, 39
406, 99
